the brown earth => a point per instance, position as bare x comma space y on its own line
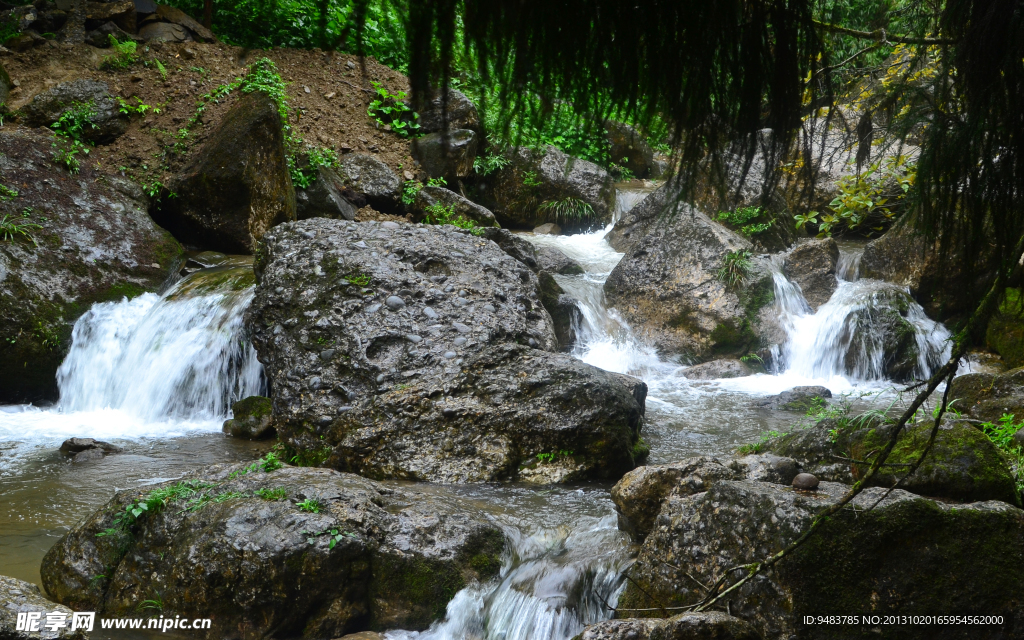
327, 99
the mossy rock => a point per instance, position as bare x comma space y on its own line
987, 397
1005, 333
252, 418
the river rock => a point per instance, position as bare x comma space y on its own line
629, 149
458, 110
458, 384
370, 178
548, 229
522, 250
988, 397
639, 494
564, 310
107, 121
224, 543
635, 223
95, 242
811, 265
86, 449
718, 369
795, 399
909, 555
446, 154
237, 186
252, 418
963, 463
18, 596
323, 198
534, 180
668, 288
460, 206
554, 261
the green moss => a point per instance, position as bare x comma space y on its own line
640, 450
252, 407
485, 564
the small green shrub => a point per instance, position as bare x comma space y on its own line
7, 193
742, 219
161, 69
124, 55
272, 495
334, 536
486, 165
390, 111
735, 267
758, 446
530, 179
439, 214
137, 109
266, 464
11, 229
65, 153
322, 157
868, 201
358, 279
311, 505
621, 172
1001, 434
569, 209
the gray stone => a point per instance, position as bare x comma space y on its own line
511, 402
460, 206
71, 446
564, 309
554, 261
795, 399
718, 369
629, 149
18, 596
987, 396
805, 482
394, 303
323, 198
548, 228
513, 245
635, 223
446, 154
365, 174
107, 122
458, 110
252, 417
812, 266
164, 32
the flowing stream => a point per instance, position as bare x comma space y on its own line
157, 375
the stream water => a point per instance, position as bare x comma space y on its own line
157, 374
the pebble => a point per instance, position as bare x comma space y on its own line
460, 341
448, 412
373, 308
430, 313
360, 244
389, 225
461, 328
533, 343
805, 482
490, 308
394, 303
413, 338
314, 382
327, 354
448, 355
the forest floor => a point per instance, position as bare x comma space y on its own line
328, 95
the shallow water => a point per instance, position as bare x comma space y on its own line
156, 375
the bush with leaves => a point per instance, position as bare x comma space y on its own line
124, 55
735, 267
391, 112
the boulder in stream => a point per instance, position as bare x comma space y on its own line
988, 397
811, 265
85, 449
718, 369
423, 352
269, 550
554, 261
795, 399
252, 418
909, 555
237, 186
20, 597
87, 238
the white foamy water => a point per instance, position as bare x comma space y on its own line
154, 366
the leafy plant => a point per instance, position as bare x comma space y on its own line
409, 190
551, 457
735, 267
323, 157
161, 69
137, 109
758, 445
803, 219
530, 179
311, 505
335, 536
358, 279
124, 55
11, 229
569, 209
73, 121
871, 199
66, 154
623, 173
437, 213
271, 494
1001, 434
266, 464
742, 219
391, 112
156, 604
752, 357
486, 165
7, 193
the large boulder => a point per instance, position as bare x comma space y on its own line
1005, 332
94, 242
424, 353
446, 154
670, 288
811, 266
565, 312
430, 196
237, 186
635, 223
20, 597
372, 179
908, 556
457, 112
629, 149
323, 198
963, 464
554, 261
283, 552
547, 185
251, 418
988, 397
106, 121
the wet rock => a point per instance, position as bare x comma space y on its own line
564, 310
1005, 335
963, 464
18, 596
548, 228
237, 186
372, 179
987, 397
528, 190
362, 635
707, 625
446, 154
437, 409
812, 266
554, 261
629, 149
202, 260
95, 242
232, 543
459, 111
669, 288
795, 399
717, 369
86, 449
324, 198
909, 555
639, 494
430, 196
252, 418
766, 467
805, 482
882, 339
47, 107
635, 223
522, 250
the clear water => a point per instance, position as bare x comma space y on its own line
157, 375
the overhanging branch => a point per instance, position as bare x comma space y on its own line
880, 35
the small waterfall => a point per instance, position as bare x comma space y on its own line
182, 355
848, 266
554, 582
